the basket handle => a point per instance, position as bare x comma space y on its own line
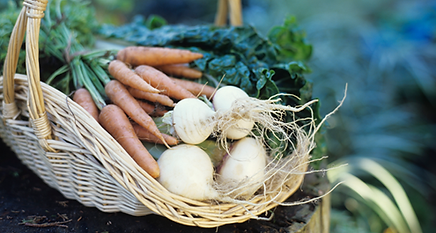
235, 8
27, 23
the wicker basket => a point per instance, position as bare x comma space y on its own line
72, 153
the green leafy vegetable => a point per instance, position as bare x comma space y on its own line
66, 39
8, 16
292, 45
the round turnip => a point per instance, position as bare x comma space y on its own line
187, 170
222, 101
192, 120
244, 166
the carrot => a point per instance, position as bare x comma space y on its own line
156, 56
121, 97
194, 87
162, 82
152, 97
152, 109
180, 70
84, 99
144, 134
121, 72
115, 121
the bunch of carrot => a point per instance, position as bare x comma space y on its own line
141, 88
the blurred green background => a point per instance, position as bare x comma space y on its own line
385, 132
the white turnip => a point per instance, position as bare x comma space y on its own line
222, 101
187, 170
192, 120
243, 168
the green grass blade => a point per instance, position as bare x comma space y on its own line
376, 200
395, 189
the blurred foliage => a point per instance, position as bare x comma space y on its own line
188, 12
113, 11
7, 22
384, 50
75, 22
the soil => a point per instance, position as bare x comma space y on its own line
28, 205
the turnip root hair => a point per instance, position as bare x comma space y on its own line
284, 172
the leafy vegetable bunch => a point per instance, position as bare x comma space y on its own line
7, 21
66, 39
65, 23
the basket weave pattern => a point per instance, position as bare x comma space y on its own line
61, 143
73, 169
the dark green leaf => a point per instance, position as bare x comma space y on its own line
155, 21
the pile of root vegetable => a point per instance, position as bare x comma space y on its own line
238, 126
212, 113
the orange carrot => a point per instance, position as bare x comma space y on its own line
194, 87
144, 134
115, 121
162, 82
180, 70
152, 97
84, 99
152, 109
121, 72
155, 56
121, 97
